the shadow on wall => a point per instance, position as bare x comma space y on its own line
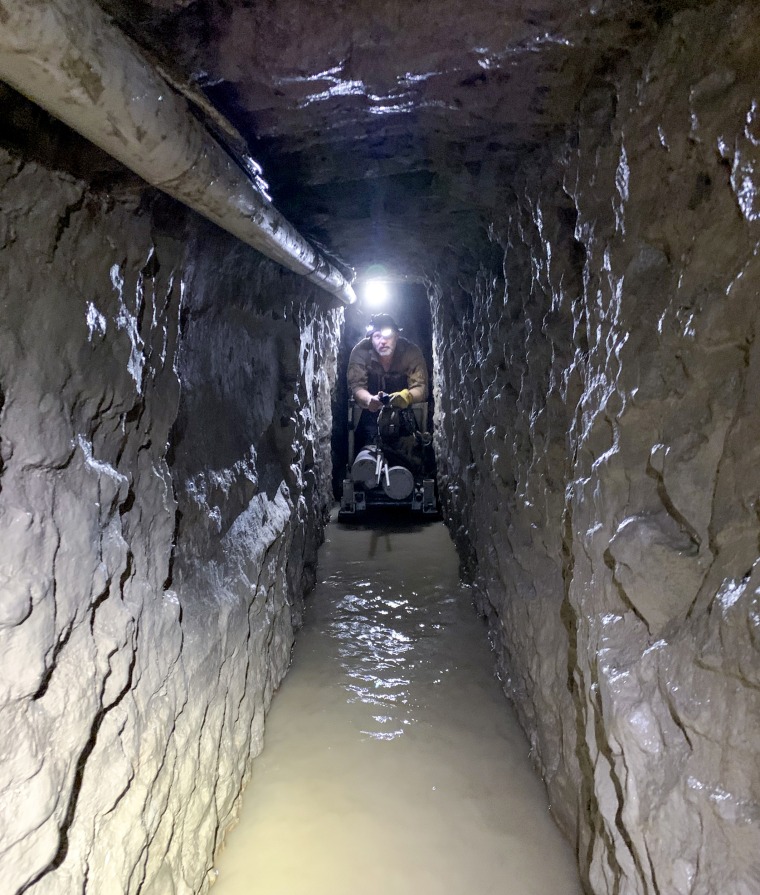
247, 407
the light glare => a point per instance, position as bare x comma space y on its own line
376, 293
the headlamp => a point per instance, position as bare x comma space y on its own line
386, 332
383, 324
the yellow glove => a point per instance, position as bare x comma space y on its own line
401, 399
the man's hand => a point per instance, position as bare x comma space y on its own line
374, 403
402, 399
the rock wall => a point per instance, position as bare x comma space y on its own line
599, 442
165, 474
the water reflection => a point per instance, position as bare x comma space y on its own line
377, 632
392, 764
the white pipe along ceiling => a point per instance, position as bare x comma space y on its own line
67, 57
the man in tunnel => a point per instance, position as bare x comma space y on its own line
385, 364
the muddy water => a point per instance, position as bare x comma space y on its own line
392, 763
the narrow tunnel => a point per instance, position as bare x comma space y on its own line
564, 199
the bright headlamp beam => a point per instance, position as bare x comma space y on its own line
376, 293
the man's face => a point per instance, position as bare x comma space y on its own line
384, 341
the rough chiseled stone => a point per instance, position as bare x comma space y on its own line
162, 496
607, 501
596, 387
391, 130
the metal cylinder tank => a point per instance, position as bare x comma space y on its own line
363, 471
399, 483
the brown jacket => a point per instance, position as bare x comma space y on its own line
365, 371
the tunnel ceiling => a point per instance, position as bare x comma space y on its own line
388, 131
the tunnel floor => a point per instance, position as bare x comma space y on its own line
392, 762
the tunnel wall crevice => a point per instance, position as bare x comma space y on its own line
604, 494
164, 483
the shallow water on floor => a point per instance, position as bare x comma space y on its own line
392, 762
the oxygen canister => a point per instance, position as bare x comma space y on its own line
399, 483
364, 468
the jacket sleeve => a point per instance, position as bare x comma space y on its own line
357, 374
417, 374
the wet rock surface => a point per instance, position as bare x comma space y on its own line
164, 433
391, 130
606, 496
579, 184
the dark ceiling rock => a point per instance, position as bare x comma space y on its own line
389, 129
